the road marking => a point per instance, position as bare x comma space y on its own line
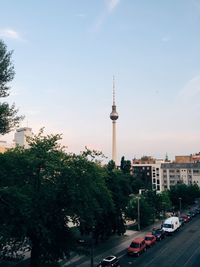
191, 256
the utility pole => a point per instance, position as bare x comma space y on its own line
138, 213
180, 204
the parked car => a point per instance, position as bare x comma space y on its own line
150, 240
191, 213
182, 221
159, 233
185, 217
110, 261
197, 210
137, 246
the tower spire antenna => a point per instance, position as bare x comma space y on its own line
113, 90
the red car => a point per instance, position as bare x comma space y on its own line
137, 246
150, 240
185, 217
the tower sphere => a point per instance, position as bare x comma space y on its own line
114, 115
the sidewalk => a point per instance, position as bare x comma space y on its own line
115, 245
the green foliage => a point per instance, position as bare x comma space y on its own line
146, 211
125, 165
187, 193
118, 184
6, 69
41, 189
164, 202
111, 165
8, 114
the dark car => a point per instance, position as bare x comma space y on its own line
197, 210
182, 221
159, 233
191, 214
109, 261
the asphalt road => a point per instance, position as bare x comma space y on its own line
179, 250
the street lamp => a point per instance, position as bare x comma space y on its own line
180, 204
138, 206
92, 248
138, 209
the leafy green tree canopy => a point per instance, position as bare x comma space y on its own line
8, 114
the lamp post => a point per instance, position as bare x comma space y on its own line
92, 248
138, 209
138, 206
180, 204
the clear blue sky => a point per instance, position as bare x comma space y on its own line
66, 52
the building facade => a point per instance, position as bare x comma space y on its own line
176, 173
148, 170
161, 174
21, 135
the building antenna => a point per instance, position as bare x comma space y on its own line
113, 90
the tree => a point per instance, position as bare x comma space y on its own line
41, 189
187, 193
118, 184
125, 165
8, 114
146, 211
163, 202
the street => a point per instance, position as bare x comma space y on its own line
182, 249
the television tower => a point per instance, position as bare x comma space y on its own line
114, 116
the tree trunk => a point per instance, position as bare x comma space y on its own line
35, 255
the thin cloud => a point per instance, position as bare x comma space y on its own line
166, 39
81, 15
10, 33
110, 6
191, 89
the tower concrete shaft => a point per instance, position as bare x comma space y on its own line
114, 116
114, 149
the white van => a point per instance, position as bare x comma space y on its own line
171, 225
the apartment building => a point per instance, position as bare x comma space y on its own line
148, 170
174, 173
161, 174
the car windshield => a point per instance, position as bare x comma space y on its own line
134, 245
158, 231
148, 238
166, 225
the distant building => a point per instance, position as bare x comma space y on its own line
21, 135
144, 160
148, 170
3, 146
193, 158
160, 175
175, 173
